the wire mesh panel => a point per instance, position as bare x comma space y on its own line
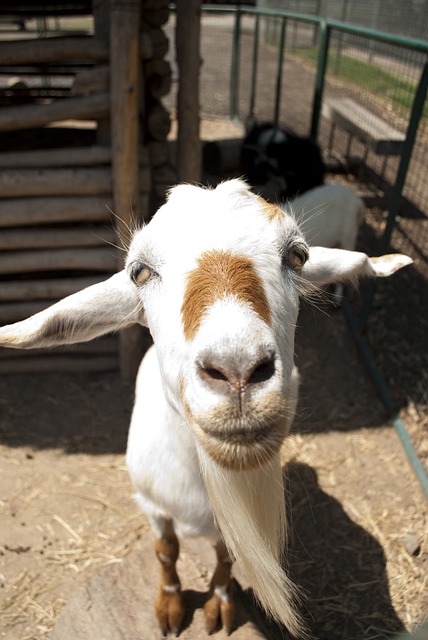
271, 95
384, 86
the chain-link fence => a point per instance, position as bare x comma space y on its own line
408, 18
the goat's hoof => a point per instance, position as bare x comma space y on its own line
219, 609
170, 611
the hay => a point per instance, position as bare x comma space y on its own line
384, 501
99, 526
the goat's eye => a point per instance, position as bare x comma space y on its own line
140, 273
296, 256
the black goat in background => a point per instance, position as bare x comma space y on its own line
292, 163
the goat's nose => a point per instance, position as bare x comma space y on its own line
223, 376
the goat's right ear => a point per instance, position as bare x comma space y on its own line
328, 266
94, 311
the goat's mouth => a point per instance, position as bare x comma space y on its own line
242, 450
241, 441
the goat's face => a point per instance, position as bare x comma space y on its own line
221, 302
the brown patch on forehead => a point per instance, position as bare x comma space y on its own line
271, 211
221, 274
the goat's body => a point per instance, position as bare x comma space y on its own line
216, 276
162, 459
329, 216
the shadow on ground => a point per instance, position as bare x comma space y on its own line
339, 565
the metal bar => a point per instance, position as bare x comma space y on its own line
279, 71
254, 65
234, 67
320, 77
383, 391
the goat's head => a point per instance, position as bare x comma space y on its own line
216, 276
217, 273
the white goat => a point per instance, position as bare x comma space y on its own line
216, 276
329, 216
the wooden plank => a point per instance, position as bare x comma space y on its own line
94, 259
58, 49
12, 239
125, 77
95, 80
48, 289
87, 181
49, 181
381, 137
53, 49
65, 157
13, 312
107, 345
26, 116
59, 364
18, 212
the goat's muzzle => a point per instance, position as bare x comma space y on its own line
242, 449
236, 382
246, 422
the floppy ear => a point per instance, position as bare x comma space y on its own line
326, 266
94, 311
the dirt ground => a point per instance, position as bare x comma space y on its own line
358, 518
359, 521
356, 508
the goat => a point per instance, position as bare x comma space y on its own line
329, 216
272, 158
216, 276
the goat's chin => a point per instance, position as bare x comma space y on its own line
242, 441
241, 451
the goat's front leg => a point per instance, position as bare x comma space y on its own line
170, 608
220, 606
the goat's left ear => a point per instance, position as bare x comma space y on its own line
94, 311
326, 266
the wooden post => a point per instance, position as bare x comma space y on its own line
189, 61
125, 78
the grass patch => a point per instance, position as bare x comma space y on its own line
398, 91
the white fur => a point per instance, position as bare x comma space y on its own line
329, 216
179, 418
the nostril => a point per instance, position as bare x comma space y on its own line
218, 376
263, 371
239, 376
211, 373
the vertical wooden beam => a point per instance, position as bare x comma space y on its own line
189, 62
101, 12
125, 79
